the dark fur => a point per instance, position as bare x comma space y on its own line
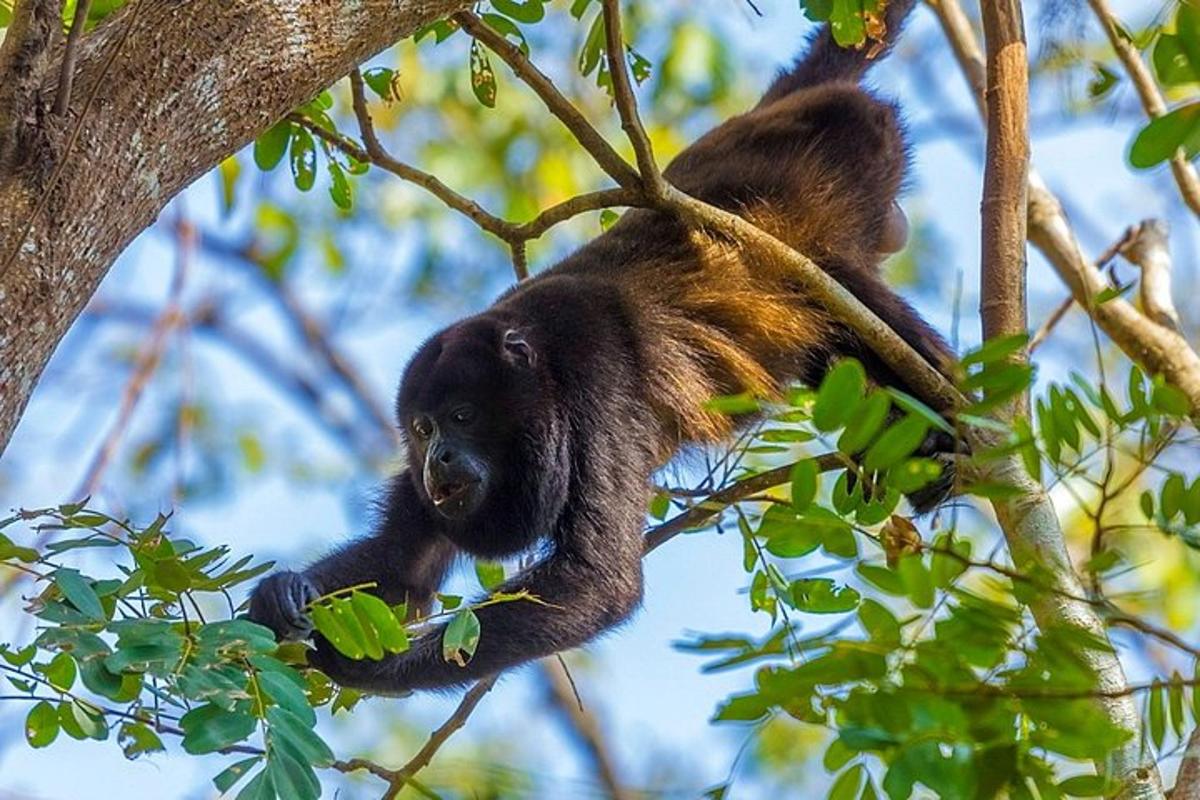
619, 348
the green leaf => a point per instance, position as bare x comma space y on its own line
490, 573
300, 738
839, 395
271, 146
804, 483
1086, 786
287, 694
1102, 82
363, 634
918, 583
847, 784
527, 11
461, 637
1158, 720
1162, 137
291, 778
823, 596
78, 590
137, 738
882, 578
41, 725
339, 186
898, 442
209, 728
742, 708
232, 774
786, 533
335, 632
383, 82
879, 623
865, 423
258, 788
304, 159
374, 612
846, 23
1174, 493
608, 218
61, 671
505, 27
483, 79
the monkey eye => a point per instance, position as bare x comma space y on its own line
463, 415
422, 427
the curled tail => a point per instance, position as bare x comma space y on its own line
825, 60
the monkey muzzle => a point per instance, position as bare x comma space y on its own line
454, 482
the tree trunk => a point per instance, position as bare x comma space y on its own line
170, 89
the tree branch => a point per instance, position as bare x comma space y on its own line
560, 692
397, 779
62, 99
1029, 522
626, 103
24, 59
1187, 781
230, 76
1002, 305
1152, 100
583, 131
1158, 350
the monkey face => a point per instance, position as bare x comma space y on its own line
462, 404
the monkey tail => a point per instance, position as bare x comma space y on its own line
827, 61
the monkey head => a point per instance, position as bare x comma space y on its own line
473, 408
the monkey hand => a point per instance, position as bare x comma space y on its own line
278, 602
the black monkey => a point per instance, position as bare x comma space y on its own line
544, 417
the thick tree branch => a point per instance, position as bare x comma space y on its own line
193, 83
1002, 305
1187, 781
24, 59
1157, 349
1029, 522
1152, 100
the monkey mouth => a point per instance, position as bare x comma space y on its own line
448, 494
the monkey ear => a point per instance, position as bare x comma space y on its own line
517, 348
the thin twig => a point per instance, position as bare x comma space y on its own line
704, 511
146, 362
1152, 100
62, 100
397, 779
560, 690
625, 100
562, 108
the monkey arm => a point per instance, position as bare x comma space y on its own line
590, 582
406, 559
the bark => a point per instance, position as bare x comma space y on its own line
163, 92
1030, 524
1002, 306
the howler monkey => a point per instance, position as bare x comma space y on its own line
543, 418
